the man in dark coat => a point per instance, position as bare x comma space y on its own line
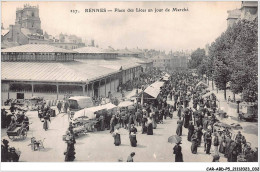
191, 131
4, 151
180, 111
3, 118
208, 140
186, 118
199, 134
232, 152
144, 128
194, 140
112, 124
179, 127
66, 106
59, 105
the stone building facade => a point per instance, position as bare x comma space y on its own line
27, 30
248, 11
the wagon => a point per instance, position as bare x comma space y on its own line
249, 111
17, 132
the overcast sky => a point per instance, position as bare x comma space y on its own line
202, 24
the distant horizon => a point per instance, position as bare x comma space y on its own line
192, 29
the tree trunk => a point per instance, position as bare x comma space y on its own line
212, 84
208, 81
225, 94
234, 97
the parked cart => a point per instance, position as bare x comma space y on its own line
17, 132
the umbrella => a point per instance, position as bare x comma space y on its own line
174, 139
117, 126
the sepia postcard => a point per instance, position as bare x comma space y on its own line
160, 81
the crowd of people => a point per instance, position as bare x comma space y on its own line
200, 119
181, 94
16, 116
196, 113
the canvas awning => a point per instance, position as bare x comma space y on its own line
201, 83
109, 106
165, 78
81, 113
152, 91
207, 94
89, 112
125, 104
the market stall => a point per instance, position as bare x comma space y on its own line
91, 119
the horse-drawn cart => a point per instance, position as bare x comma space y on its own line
19, 131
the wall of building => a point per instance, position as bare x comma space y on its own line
15, 35
249, 13
95, 56
104, 89
37, 56
231, 22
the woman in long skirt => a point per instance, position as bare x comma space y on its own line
149, 127
178, 153
132, 136
46, 121
179, 127
117, 138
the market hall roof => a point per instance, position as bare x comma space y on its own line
93, 50
80, 71
36, 48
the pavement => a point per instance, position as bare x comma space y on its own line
99, 147
250, 129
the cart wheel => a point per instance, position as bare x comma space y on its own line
23, 134
11, 137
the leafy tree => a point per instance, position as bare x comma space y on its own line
233, 57
244, 60
220, 53
196, 58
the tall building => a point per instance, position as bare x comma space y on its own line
27, 27
28, 18
248, 11
233, 16
27, 30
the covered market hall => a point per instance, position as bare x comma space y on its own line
51, 72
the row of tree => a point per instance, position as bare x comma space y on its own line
232, 60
